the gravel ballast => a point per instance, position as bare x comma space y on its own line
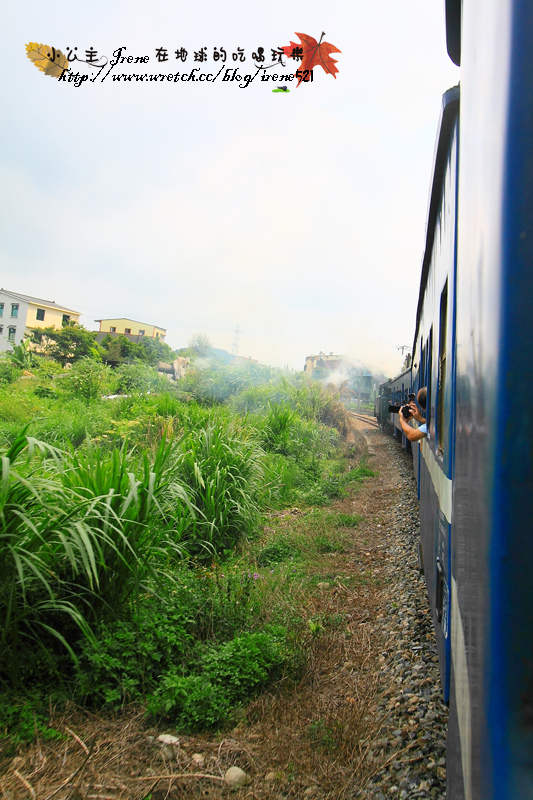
415, 717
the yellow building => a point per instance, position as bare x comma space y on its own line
130, 327
20, 314
325, 361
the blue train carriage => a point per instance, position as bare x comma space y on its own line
400, 388
432, 366
395, 391
473, 349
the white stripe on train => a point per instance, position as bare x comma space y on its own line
443, 489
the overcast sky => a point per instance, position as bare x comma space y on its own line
200, 206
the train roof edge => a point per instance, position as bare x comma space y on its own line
449, 113
453, 30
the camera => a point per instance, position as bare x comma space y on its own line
405, 411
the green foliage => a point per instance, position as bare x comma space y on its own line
119, 349
87, 379
325, 543
23, 720
346, 520
67, 344
222, 470
22, 356
279, 424
138, 507
138, 378
96, 539
36, 531
128, 657
9, 372
277, 551
229, 675
213, 382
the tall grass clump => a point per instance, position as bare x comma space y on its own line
83, 536
141, 510
39, 536
223, 471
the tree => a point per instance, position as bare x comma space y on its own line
120, 349
67, 344
200, 340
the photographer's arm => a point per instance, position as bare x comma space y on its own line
413, 434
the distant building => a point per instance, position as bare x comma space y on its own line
20, 314
362, 385
130, 328
322, 361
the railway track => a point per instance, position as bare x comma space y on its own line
372, 421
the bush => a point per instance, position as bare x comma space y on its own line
229, 675
9, 372
138, 378
87, 379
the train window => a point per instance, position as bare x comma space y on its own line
441, 386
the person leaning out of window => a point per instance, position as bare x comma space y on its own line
415, 434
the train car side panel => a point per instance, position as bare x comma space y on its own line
433, 360
491, 721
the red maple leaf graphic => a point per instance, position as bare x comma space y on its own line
315, 54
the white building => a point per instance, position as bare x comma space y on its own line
20, 314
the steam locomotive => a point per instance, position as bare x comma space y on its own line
473, 349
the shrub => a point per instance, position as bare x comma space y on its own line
229, 675
138, 378
87, 378
9, 372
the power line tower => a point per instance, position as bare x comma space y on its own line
235, 347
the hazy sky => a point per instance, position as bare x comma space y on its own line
200, 206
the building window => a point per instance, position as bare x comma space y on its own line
14, 309
1, 329
127, 330
141, 333
40, 314
11, 334
157, 335
66, 319
1, 309
112, 329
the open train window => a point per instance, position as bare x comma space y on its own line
441, 385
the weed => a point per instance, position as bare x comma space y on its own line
322, 736
229, 675
277, 551
23, 720
328, 544
347, 520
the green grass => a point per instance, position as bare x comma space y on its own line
132, 541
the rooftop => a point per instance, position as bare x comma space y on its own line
128, 319
38, 301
